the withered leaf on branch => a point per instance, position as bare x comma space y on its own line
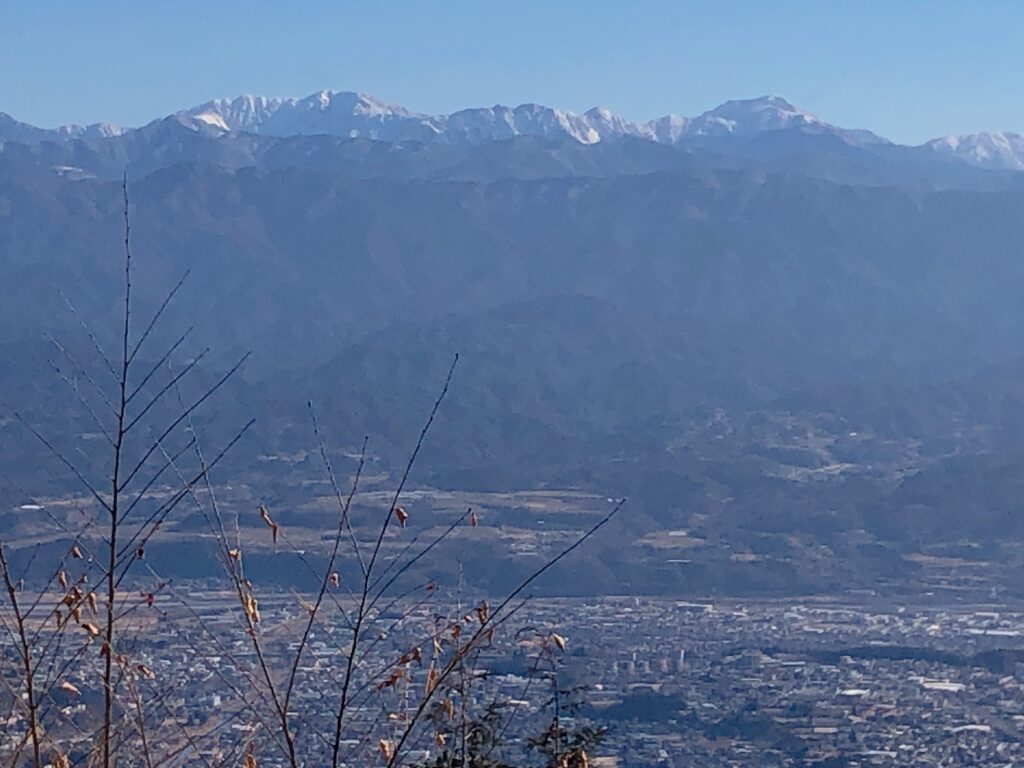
235, 554
250, 761
483, 611
252, 610
91, 628
410, 656
334, 579
265, 517
386, 748
401, 515
70, 688
145, 671
62, 579
558, 640
431, 680
473, 521
391, 680
76, 552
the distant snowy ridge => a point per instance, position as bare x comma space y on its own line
995, 150
352, 114
360, 115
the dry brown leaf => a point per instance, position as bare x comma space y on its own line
439, 739
334, 579
250, 761
265, 516
252, 610
431, 680
473, 521
76, 552
91, 628
483, 611
145, 671
62, 579
401, 515
91, 599
391, 680
558, 640
70, 688
386, 748
235, 554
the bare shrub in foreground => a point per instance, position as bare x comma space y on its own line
84, 689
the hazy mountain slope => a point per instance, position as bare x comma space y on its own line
828, 269
735, 335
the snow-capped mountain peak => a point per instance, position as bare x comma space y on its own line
243, 113
740, 117
340, 113
997, 150
668, 129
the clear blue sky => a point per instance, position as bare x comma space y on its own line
908, 70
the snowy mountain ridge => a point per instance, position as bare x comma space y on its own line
351, 114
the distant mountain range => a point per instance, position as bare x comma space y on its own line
801, 344
353, 115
